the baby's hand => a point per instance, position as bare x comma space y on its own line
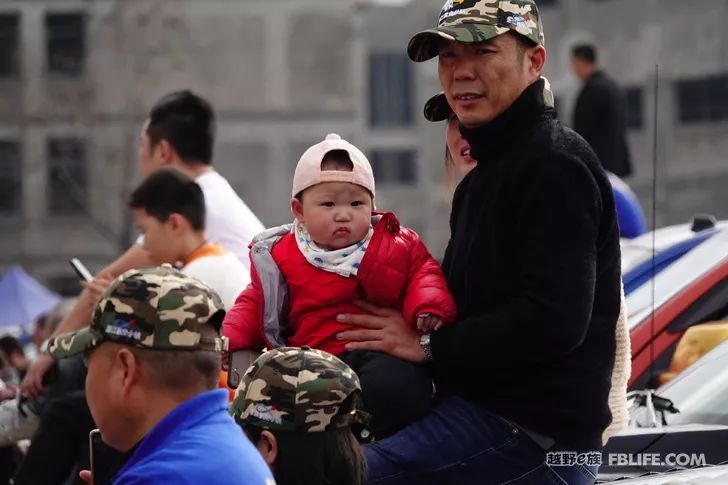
427, 322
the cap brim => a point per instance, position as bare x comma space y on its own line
437, 108
73, 343
425, 45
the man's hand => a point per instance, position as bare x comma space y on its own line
86, 477
32, 385
383, 330
99, 284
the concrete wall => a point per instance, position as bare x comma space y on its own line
280, 74
283, 73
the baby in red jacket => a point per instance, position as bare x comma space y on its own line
338, 250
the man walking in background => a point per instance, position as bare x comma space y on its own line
600, 112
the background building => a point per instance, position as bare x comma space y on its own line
78, 77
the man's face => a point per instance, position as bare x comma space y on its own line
149, 157
159, 237
581, 68
481, 80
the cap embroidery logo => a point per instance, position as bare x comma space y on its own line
452, 7
517, 21
121, 328
261, 411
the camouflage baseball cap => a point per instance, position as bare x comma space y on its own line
437, 108
298, 389
152, 308
478, 21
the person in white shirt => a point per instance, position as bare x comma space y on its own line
169, 210
179, 133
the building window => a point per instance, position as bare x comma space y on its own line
703, 99
65, 43
10, 179
67, 176
9, 45
394, 166
633, 99
390, 81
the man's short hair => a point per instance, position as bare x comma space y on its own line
187, 122
182, 369
168, 191
585, 52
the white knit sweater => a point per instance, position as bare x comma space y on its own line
620, 376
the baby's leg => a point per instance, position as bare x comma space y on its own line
395, 392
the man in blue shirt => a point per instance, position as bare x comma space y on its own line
153, 352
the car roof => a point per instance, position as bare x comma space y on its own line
688, 269
638, 251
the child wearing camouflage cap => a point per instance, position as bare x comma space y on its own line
337, 251
297, 406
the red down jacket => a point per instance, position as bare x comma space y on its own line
300, 308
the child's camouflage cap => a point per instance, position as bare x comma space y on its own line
478, 21
153, 308
298, 389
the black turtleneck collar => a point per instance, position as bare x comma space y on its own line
489, 141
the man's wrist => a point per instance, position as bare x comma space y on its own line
425, 345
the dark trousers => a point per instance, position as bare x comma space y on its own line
395, 392
460, 443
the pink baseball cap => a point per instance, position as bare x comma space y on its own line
308, 171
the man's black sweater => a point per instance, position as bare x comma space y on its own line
534, 265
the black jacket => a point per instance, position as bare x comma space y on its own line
534, 265
600, 117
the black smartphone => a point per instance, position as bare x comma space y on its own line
81, 270
105, 461
238, 363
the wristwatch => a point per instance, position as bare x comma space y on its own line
425, 344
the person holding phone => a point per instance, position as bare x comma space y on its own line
179, 133
153, 351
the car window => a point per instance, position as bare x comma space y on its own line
701, 392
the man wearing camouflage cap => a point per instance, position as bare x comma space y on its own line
533, 263
153, 351
298, 406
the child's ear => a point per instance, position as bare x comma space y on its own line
176, 222
297, 209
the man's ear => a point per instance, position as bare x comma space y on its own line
165, 152
297, 209
536, 59
129, 367
268, 447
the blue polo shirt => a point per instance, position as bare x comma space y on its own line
198, 442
